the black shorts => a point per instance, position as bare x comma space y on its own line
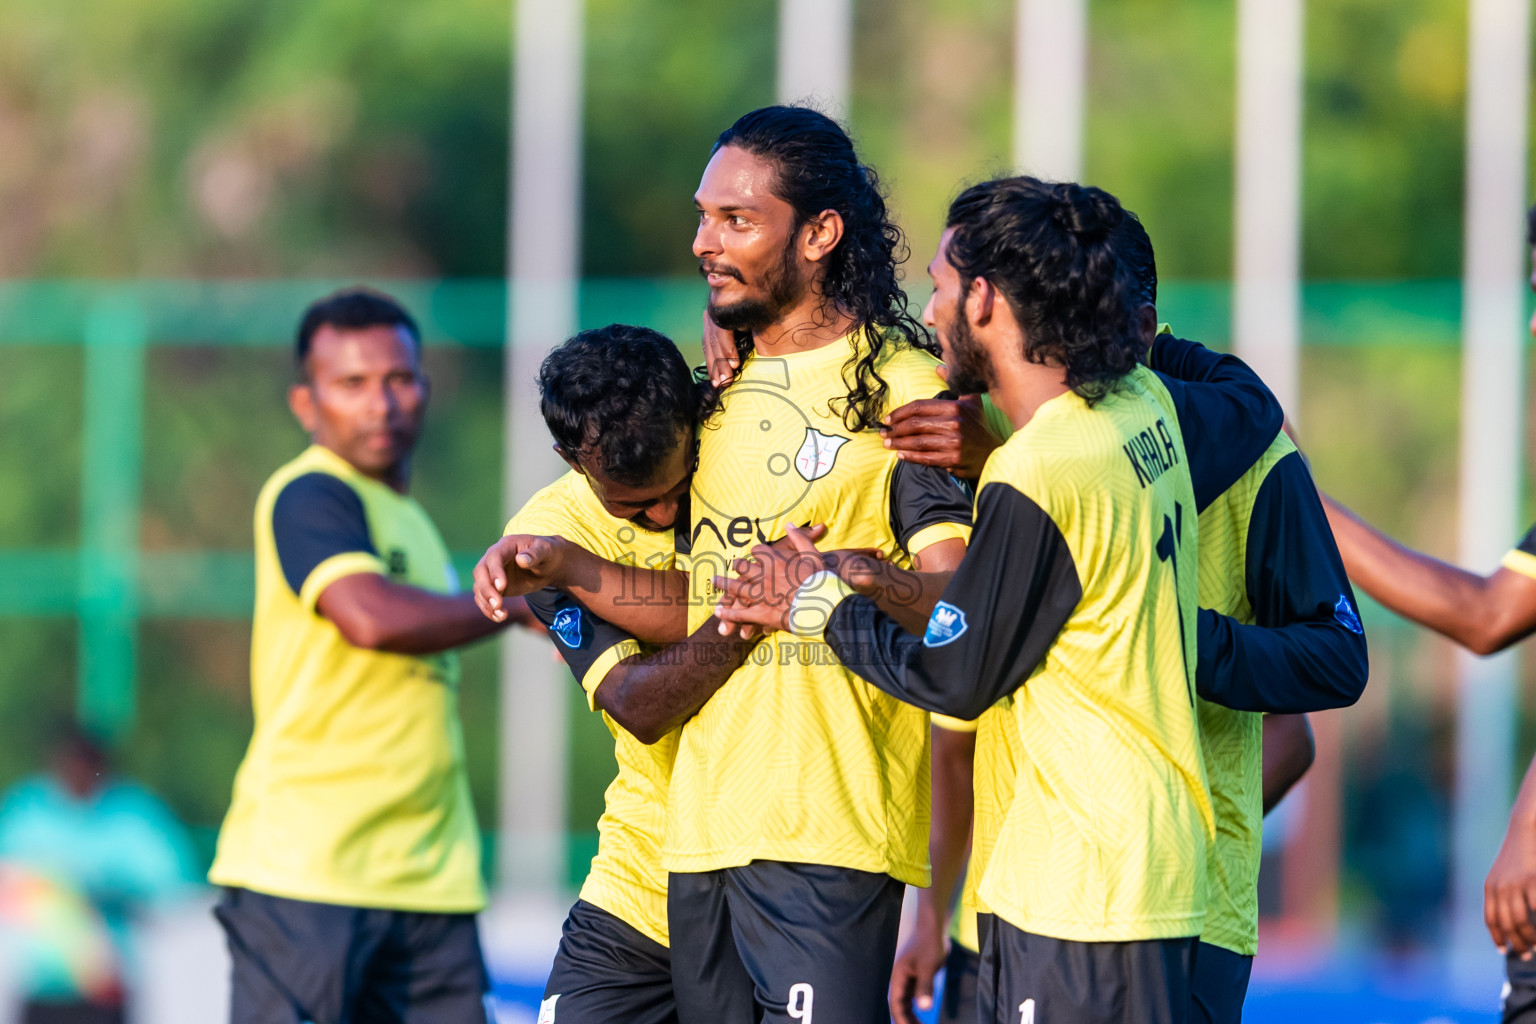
782, 942
1218, 985
1518, 1004
605, 970
1027, 978
295, 961
958, 1003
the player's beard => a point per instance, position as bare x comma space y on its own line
783, 289
969, 366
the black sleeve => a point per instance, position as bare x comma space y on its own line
315, 517
1528, 542
1000, 613
579, 636
922, 496
1226, 414
1307, 651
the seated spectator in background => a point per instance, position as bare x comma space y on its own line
79, 834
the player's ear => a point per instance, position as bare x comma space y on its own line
1146, 323
301, 402
980, 301
568, 460
822, 233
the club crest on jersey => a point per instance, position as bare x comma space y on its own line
945, 625
567, 626
818, 453
1346, 615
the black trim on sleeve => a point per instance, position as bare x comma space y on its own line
682, 539
1528, 542
316, 517
924, 496
1307, 651
1015, 589
1226, 414
579, 636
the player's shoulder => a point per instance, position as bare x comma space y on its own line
1240, 499
313, 475
557, 508
910, 373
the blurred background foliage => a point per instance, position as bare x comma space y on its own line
351, 139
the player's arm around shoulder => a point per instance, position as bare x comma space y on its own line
328, 558
1227, 415
1485, 614
1306, 650
650, 604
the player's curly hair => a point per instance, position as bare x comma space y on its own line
819, 170
1050, 250
1134, 247
622, 395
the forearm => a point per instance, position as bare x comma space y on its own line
949, 836
375, 614
905, 595
1432, 593
650, 604
1310, 665
650, 695
947, 680
1523, 815
1288, 754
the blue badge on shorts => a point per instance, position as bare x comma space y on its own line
945, 625
1346, 615
567, 626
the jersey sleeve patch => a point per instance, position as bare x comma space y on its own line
946, 625
316, 518
590, 646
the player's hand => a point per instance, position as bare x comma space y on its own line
742, 565
515, 565
811, 533
950, 433
912, 975
1509, 894
857, 567
721, 359
764, 598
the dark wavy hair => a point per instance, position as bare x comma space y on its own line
1050, 250
819, 170
622, 395
349, 309
1134, 247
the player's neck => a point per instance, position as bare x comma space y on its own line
810, 325
396, 477
1023, 387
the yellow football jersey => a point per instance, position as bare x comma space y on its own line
1077, 597
1105, 839
1233, 741
353, 790
626, 878
796, 759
